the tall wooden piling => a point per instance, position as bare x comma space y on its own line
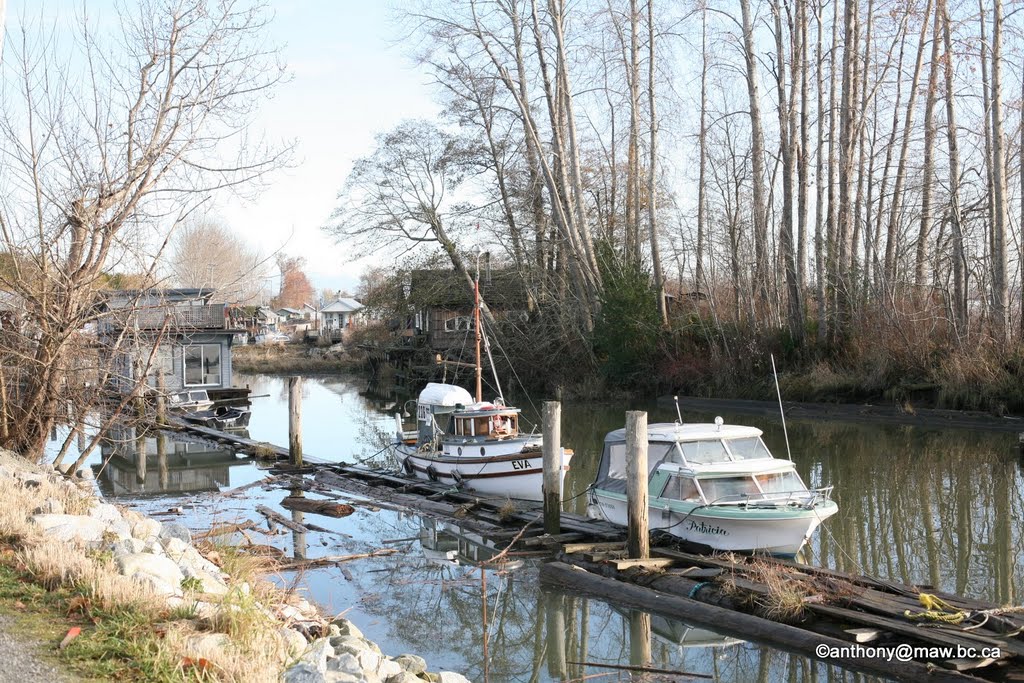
638, 541
295, 420
552, 453
161, 399
140, 456
640, 638
161, 460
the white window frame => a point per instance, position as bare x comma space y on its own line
220, 365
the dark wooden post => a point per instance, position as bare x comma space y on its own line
557, 664
552, 452
638, 541
295, 420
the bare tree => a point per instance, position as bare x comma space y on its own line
100, 163
207, 254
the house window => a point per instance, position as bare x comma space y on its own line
458, 324
202, 364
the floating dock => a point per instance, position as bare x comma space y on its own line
907, 633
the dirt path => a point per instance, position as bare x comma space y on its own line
21, 658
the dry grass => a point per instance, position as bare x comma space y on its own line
255, 649
507, 511
785, 597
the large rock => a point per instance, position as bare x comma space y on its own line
317, 653
403, 677
388, 668
347, 628
78, 528
414, 664
141, 565
145, 529
207, 583
105, 512
294, 641
303, 673
452, 677
175, 530
345, 662
126, 546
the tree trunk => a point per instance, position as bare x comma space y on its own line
928, 172
659, 275
1000, 286
702, 143
955, 214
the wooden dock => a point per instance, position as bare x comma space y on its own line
907, 633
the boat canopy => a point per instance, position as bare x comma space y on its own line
698, 444
449, 395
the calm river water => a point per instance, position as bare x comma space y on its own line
938, 507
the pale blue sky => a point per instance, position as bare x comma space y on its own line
349, 80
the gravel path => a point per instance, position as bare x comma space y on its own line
20, 662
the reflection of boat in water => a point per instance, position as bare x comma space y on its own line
716, 485
140, 466
221, 418
682, 635
448, 544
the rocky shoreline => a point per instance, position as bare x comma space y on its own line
140, 556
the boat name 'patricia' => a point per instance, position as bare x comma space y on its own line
701, 527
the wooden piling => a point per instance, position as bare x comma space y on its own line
552, 452
295, 420
161, 460
161, 399
638, 544
140, 456
640, 638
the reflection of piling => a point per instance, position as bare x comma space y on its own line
161, 459
552, 450
638, 541
295, 420
298, 537
556, 635
639, 638
140, 457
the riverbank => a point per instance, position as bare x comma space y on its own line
135, 599
294, 358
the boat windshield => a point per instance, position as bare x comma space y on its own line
748, 448
719, 488
780, 482
704, 452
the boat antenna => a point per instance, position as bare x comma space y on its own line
781, 411
476, 325
678, 413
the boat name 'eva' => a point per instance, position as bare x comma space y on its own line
520, 464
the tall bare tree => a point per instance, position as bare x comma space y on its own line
99, 163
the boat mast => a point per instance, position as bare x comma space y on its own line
476, 325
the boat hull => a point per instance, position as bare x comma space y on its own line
513, 475
779, 531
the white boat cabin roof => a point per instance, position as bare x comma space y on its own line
673, 432
437, 394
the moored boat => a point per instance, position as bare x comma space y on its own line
715, 485
463, 440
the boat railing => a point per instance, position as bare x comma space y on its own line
798, 498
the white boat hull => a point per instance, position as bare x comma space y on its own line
514, 475
728, 528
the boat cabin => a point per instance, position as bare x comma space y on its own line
704, 464
486, 421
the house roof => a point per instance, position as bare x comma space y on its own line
342, 305
289, 310
502, 288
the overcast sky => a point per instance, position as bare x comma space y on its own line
350, 79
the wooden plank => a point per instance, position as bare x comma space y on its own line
280, 519
646, 563
317, 507
570, 548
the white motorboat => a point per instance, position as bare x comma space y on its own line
463, 440
716, 485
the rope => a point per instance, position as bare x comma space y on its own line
937, 609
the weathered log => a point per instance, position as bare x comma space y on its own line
332, 559
318, 507
740, 625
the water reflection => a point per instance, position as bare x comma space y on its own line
920, 506
138, 463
